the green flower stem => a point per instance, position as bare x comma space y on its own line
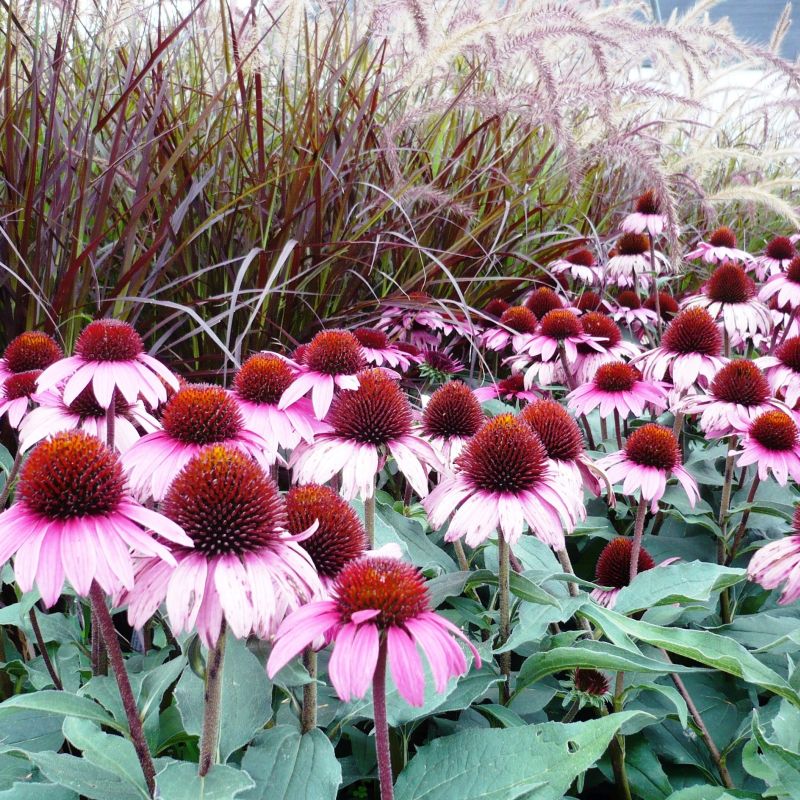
209, 740
722, 521
504, 594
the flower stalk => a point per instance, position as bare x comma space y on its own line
309, 714
638, 533
209, 740
504, 594
382, 748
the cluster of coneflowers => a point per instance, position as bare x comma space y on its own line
163, 495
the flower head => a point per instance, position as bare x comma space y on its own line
510, 389
378, 350
648, 217
629, 309
16, 392
613, 569
720, 247
617, 387
516, 325
784, 286
773, 444
502, 480
109, 356
243, 568
580, 265
776, 257
650, 458
451, 417
631, 266
376, 601
667, 305
495, 307
32, 350
196, 416
542, 300
74, 518
783, 370
779, 563
606, 344
589, 687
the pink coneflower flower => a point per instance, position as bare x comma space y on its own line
333, 358
628, 309
783, 371
542, 300
580, 265
375, 600
516, 326
511, 389
557, 339
563, 443
378, 350
196, 416
784, 286
777, 255
502, 480
667, 305
28, 351
738, 394
613, 570
720, 247
53, 415
617, 388
773, 443
590, 301
650, 458
74, 518
607, 345
421, 320
109, 355
729, 295
495, 307
588, 687
15, 395
631, 266
339, 537
690, 353
647, 218
452, 416
779, 563
258, 387
244, 568
438, 366
368, 423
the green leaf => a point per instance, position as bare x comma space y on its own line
61, 703
32, 731
645, 773
520, 585
696, 581
448, 585
710, 792
778, 767
179, 781
245, 699
38, 791
588, 653
711, 649
286, 765
537, 761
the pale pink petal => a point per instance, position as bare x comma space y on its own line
405, 666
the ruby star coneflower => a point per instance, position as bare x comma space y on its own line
53, 415
109, 355
451, 417
648, 216
502, 480
614, 567
511, 389
367, 424
776, 257
628, 309
607, 345
377, 602
542, 300
258, 387
339, 537
651, 457
421, 320
589, 301
667, 305
618, 387
631, 267
729, 296
737, 395
588, 687
784, 286
379, 351
690, 353
196, 416
74, 518
773, 443
495, 307
16, 393
580, 265
332, 359
438, 366
32, 350
243, 567
779, 563
783, 371
720, 247
515, 327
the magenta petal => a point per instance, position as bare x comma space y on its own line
405, 666
298, 631
353, 660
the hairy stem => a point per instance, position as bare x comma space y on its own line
617, 429
37, 632
369, 517
209, 740
722, 521
638, 532
106, 626
309, 716
111, 423
574, 591
382, 749
616, 749
737, 539
656, 298
12, 476
463, 564
504, 594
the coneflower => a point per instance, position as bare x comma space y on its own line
379, 351
631, 267
778, 563
580, 265
720, 247
607, 345
776, 257
772, 442
613, 569
515, 327
627, 308
542, 300
32, 350
647, 218
510, 390
16, 392
667, 305
783, 371
784, 287
451, 417
619, 389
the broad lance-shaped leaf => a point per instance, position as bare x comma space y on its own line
777, 766
62, 703
179, 781
696, 581
288, 765
711, 649
588, 653
536, 761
